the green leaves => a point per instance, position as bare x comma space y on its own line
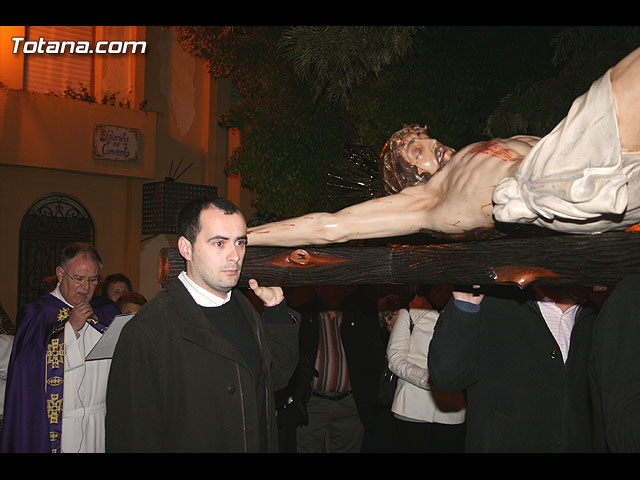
335, 59
308, 91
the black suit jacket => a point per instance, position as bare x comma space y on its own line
521, 396
615, 369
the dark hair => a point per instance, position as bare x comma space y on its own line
188, 224
398, 174
113, 278
47, 284
131, 297
423, 290
79, 248
391, 303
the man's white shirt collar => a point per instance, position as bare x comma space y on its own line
201, 296
58, 294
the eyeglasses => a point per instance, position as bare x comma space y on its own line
79, 280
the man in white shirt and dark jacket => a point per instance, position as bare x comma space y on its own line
196, 368
522, 357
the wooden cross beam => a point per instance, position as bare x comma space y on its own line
601, 259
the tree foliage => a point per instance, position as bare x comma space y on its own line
335, 59
581, 56
309, 92
452, 80
288, 138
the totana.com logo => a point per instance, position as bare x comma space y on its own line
80, 46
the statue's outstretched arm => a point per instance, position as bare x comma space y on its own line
404, 213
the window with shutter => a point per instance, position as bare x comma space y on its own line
54, 73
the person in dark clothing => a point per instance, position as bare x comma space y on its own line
615, 370
195, 369
380, 434
509, 349
332, 395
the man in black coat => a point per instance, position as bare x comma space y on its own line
527, 391
196, 368
615, 370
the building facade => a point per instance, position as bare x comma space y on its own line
81, 133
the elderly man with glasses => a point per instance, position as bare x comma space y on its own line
48, 369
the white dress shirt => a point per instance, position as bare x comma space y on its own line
560, 323
201, 296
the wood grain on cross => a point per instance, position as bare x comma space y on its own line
601, 259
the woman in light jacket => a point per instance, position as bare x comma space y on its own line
427, 420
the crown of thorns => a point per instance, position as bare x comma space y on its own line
397, 141
397, 173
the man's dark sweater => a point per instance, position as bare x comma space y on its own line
228, 319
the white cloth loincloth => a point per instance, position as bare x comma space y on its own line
576, 180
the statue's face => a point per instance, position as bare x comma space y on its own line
426, 153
